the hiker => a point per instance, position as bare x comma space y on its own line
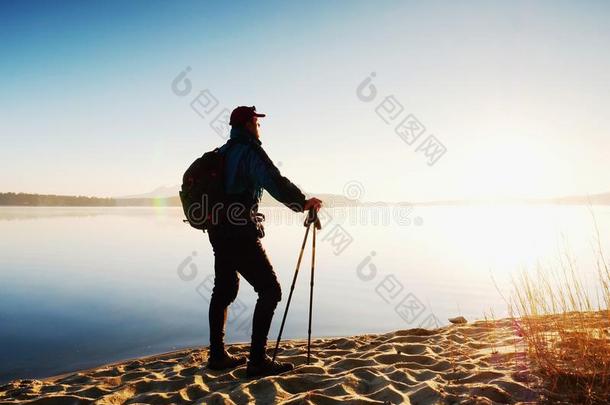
237, 246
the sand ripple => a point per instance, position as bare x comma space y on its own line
479, 363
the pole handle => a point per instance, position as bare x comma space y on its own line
312, 218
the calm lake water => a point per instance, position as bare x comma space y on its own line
80, 287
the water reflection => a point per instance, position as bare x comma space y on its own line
85, 286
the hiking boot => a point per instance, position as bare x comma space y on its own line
266, 367
225, 361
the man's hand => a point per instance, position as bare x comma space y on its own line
313, 203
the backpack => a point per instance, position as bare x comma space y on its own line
202, 194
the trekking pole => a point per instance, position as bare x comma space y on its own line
313, 261
317, 226
294, 280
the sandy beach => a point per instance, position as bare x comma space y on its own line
477, 363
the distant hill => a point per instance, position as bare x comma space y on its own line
159, 192
595, 199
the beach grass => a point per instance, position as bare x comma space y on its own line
565, 322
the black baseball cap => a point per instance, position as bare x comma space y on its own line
242, 114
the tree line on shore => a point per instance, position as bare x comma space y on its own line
52, 200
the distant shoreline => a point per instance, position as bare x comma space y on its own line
331, 200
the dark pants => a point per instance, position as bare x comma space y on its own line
240, 252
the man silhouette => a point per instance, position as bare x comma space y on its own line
237, 246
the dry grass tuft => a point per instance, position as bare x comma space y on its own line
567, 331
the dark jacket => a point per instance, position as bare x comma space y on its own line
249, 170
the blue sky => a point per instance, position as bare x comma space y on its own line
517, 92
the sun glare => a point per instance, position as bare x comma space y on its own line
518, 167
